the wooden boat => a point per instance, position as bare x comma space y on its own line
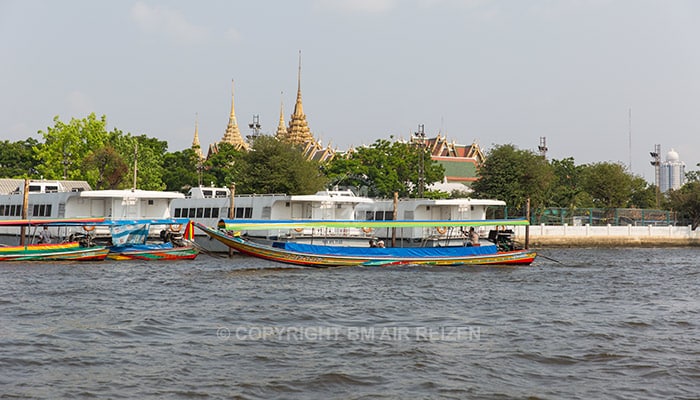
129, 240
332, 256
71, 251
68, 251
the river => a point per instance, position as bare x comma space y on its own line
578, 324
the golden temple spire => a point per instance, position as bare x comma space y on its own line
298, 131
196, 146
233, 134
281, 127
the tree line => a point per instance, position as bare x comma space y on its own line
83, 149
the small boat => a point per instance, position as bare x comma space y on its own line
331, 256
129, 240
72, 250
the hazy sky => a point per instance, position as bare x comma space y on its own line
490, 71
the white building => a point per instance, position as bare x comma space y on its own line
672, 172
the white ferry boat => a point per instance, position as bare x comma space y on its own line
75, 199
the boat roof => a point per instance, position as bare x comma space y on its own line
252, 224
152, 194
11, 185
336, 196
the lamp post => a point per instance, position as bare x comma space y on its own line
420, 137
656, 162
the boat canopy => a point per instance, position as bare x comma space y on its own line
240, 225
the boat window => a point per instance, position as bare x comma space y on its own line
48, 210
207, 212
177, 213
2, 210
239, 212
34, 188
215, 213
248, 212
192, 213
150, 202
206, 193
51, 189
369, 215
200, 212
221, 193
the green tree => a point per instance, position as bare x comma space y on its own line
181, 170
225, 166
386, 167
17, 159
608, 184
274, 166
566, 190
686, 201
148, 154
66, 146
110, 166
514, 175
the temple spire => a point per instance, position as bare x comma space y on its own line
281, 127
196, 146
298, 131
233, 134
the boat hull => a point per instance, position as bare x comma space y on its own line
171, 254
370, 256
71, 251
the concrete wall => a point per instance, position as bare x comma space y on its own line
608, 236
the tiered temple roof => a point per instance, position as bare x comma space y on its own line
298, 131
233, 134
196, 146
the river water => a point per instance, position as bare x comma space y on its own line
611, 323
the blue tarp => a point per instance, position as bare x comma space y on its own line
412, 252
141, 247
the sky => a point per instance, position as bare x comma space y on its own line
601, 80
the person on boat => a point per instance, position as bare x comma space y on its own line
45, 236
371, 243
380, 243
473, 237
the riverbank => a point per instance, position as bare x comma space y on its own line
609, 236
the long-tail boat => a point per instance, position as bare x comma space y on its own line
229, 233
129, 240
73, 250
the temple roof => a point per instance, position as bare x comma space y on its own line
233, 134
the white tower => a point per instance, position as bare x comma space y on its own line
672, 172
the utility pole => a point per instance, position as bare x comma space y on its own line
656, 162
420, 136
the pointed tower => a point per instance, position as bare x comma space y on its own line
196, 146
233, 134
281, 127
298, 131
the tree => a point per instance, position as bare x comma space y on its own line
386, 167
17, 159
225, 166
566, 190
609, 184
148, 154
66, 146
274, 166
686, 201
514, 175
181, 170
110, 167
